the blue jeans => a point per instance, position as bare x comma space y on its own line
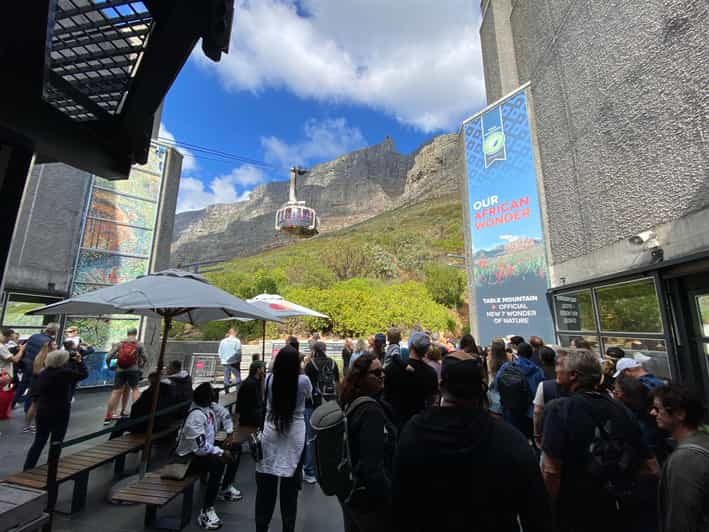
308, 467
20, 389
229, 370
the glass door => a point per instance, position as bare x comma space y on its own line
701, 309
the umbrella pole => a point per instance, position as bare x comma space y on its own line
156, 392
263, 343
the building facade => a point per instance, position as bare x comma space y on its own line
77, 232
619, 109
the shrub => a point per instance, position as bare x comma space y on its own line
445, 284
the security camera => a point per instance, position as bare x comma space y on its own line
646, 237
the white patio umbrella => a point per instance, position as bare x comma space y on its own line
282, 308
170, 295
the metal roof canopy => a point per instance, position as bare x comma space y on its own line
82, 79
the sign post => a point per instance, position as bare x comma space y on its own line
506, 258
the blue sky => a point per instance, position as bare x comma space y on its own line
305, 83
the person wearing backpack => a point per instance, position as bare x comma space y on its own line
516, 382
684, 484
324, 376
130, 358
594, 452
482, 467
371, 440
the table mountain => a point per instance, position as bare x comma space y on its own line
348, 190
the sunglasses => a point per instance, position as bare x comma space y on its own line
379, 372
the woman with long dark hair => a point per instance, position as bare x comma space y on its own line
283, 440
498, 356
372, 439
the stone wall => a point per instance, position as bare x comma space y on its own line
621, 106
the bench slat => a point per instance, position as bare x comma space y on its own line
154, 490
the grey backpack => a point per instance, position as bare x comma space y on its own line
331, 450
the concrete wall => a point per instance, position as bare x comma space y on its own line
621, 107
499, 61
163, 239
46, 242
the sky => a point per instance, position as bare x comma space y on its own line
306, 81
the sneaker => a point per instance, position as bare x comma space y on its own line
107, 421
310, 479
230, 494
115, 416
209, 520
30, 429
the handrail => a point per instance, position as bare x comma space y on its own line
124, 426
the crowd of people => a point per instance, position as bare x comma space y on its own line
518, 435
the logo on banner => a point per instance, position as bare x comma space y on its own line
493, 143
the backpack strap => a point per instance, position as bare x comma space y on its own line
357, 403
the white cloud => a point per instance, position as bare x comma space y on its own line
510, 238
416, 60
189, 163
323, 139
195, 195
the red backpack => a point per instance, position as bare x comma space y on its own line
127, 354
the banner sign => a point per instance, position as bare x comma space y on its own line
508, 261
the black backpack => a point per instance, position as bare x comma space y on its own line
614, 462
325, 385
514, 391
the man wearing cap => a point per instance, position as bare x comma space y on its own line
633, 368
127, 373
32, 347
409, 392
485, 467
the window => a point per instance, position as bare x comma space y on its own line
565, 340
628, 317
15, 315
574, 311
631, 307
650, 352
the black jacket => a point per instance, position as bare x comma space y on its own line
166, 398
372, 439
183, 389
56, 386
409, 392
249, 403
485, 468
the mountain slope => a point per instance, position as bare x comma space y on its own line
346, 191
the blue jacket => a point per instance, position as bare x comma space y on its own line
532, 372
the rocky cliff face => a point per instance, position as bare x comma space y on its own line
348, 190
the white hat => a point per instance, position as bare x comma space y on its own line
625, 363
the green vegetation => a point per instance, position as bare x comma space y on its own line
389, 270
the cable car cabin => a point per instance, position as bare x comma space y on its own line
297, 220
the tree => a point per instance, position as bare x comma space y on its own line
445, 284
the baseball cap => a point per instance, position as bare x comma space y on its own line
257, 364
380, 338
420, 342
625, 363
132, 331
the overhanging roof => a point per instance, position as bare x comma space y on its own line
83, 78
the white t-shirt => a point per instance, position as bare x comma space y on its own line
6, 365
539, 396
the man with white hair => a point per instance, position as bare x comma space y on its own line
580, 431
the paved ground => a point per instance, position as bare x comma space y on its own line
316, 512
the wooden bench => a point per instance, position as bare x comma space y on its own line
155, 493
76, 467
